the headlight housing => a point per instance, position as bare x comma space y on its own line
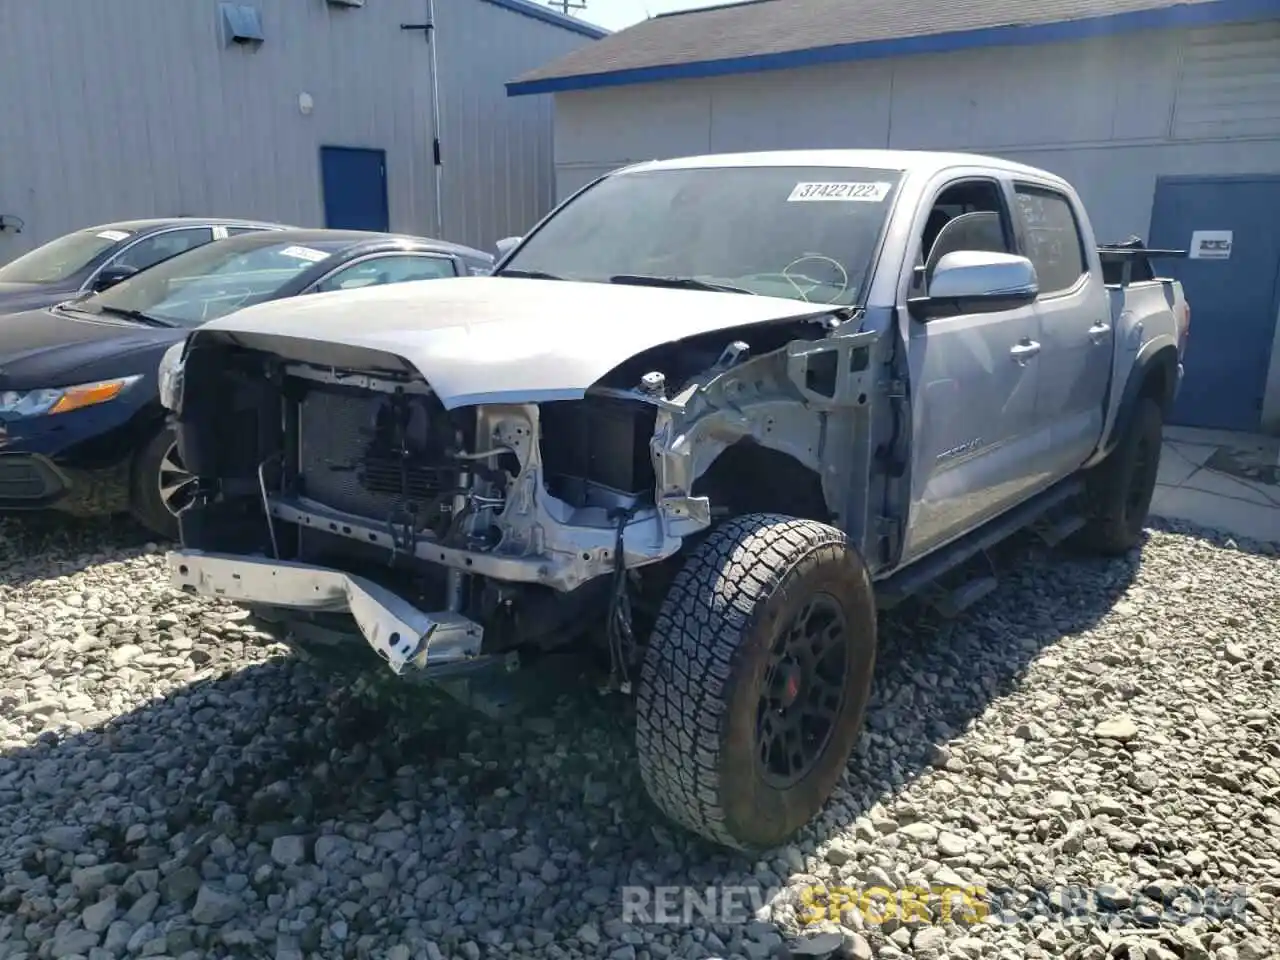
170, 376
53, 400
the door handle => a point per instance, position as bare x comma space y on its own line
1024, 351
1099, 331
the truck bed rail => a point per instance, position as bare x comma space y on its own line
1129, 261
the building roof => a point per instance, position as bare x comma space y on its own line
529, 8
783, 34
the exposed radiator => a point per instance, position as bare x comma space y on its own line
343, 466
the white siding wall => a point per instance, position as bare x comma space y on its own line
499, 161
136, 108
1109, 114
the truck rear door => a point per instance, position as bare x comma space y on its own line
1075, 321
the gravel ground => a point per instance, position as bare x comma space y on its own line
171, 784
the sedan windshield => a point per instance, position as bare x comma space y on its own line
61, 259
210, 281
806, 233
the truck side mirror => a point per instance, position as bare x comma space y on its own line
976, 281
507, 244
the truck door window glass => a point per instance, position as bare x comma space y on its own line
986, 227
1053, 238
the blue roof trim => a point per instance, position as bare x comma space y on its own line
546, 15
1172, 17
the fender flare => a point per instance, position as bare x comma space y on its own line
1155, 359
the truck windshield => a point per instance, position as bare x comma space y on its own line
806, 233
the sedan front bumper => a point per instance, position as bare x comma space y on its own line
35, 482
403, 635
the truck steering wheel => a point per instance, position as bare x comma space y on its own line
791, 278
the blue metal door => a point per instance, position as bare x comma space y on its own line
1234, 301
355, 188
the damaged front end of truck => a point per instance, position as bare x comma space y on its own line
463, 519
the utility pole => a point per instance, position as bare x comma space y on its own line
564, 6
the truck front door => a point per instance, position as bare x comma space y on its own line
974, 382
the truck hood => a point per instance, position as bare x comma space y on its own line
503, 340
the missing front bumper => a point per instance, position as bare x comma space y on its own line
403, 635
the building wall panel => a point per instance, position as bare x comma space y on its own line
1229, 84
136, 108
499, 157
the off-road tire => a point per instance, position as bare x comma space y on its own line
705, 666
145, 503
1118, 491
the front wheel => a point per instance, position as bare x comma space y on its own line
756, 679
161, 485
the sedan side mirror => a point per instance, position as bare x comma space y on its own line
109, 276
976, 281
507, 244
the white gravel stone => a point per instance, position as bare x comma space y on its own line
172, 784
1117, 728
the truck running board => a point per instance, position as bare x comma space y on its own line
907, 582
955, 602
1055, 533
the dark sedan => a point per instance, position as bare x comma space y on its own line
96, 257
81, 425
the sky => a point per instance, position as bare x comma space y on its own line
616, 14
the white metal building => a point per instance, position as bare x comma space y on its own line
1165, 115
309, 112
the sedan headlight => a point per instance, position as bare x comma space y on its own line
38, 403
170, 376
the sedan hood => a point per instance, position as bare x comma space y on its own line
503, 340
19, 297
47, 348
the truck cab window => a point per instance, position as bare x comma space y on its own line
1053, 237
969, 215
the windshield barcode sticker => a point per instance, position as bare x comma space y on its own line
304, 253
848, 192
115, 236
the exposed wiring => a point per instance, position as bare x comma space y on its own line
484, 454
620, 635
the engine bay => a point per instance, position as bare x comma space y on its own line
367, 472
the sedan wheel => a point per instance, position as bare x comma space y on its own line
176, 485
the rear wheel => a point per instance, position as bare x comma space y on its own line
1118, 491
756, 679
161, 485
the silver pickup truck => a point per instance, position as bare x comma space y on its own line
709, 415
